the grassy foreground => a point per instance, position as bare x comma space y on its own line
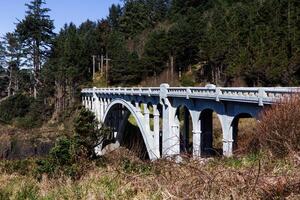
123, 176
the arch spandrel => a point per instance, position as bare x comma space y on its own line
147, 137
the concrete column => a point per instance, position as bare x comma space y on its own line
147, 117
86, 103
105, 103
226, 122
171, 138
156, 131
82, 101
196, 143
171, 145
101, 110
89, 104
137, 106
97, 108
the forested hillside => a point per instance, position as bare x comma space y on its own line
225, 42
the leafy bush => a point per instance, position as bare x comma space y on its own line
69, 155
279, 128
62, 158
15, 106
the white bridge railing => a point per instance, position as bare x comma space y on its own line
260, 95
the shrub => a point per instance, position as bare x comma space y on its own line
69, 155
61, 158
279, 128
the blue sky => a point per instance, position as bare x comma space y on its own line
62, 11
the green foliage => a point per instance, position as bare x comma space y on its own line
24, 111
187, 81
135, 167
69, 155
61, 152
87, 132
4, 194
62, 159
35, 31
115, 13
15, 106
28, 191
127, 68
156, 52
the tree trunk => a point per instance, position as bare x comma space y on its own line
10, 81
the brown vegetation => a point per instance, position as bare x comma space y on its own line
122, 175
279, 128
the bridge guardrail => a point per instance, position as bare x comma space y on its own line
260, 95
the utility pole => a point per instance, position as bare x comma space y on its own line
94, 65
106, 68
102, 64
99, 63
172, 67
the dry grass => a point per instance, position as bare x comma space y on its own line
121, 175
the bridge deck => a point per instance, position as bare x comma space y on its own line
261, 95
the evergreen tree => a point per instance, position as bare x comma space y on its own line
12, 54
2, 54
156, 52
36, 34
115, 12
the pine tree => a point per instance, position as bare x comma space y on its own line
115, 12
12, 53
36, 34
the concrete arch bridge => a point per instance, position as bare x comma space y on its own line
175, 120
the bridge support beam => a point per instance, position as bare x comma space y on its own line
147, 117
101, 110
156, 135
226, 122
171, 137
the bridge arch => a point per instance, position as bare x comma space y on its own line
245, 120
139, 118
183, 128
210, 123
